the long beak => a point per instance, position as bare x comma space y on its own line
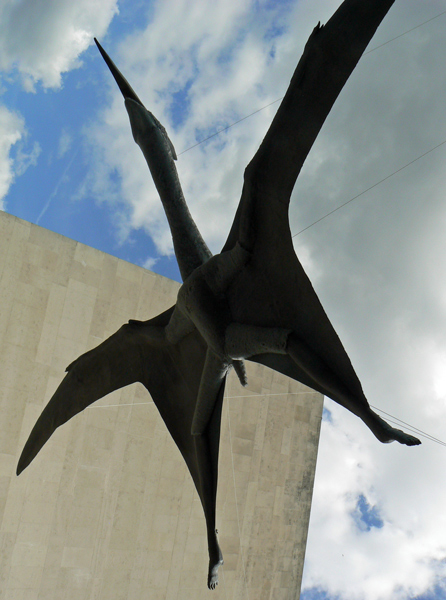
124, 86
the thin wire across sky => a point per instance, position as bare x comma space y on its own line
367, 189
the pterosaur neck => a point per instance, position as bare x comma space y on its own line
191, 250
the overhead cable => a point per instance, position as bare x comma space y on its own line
370, 188
406, 32
281, 98
397, 421
392, 419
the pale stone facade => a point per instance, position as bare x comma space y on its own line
107, 510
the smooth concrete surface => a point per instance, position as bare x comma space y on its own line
108, 511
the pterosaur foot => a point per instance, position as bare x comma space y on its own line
323, 379
386, 434
215, 561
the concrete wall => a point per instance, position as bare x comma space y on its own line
107, 510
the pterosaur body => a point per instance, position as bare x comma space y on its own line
252, 301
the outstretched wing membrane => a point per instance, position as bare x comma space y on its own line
115, 363
330, 56
261, 223
170, 372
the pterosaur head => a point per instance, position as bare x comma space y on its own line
123, 84
137, 115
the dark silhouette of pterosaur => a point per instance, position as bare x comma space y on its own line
252, 301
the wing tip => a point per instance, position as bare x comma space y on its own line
37, 439
22, 464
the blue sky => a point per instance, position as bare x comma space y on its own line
52, 195
68, 163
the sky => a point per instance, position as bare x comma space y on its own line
68, 163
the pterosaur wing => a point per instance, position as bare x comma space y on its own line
261, 224
329, 57
282, 363
171, 373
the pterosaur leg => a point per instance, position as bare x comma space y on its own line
247, 341
208, 489
214, 373
327, 382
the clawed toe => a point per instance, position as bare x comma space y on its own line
408, 440
213, 571
388, 434
213, 578
403, 438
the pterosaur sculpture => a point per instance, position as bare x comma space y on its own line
252, 301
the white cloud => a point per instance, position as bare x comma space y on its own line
12, 130
44, 39
150, 262
65, 142
41, 40
24, 159
15, 155
395, 561
380, 276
